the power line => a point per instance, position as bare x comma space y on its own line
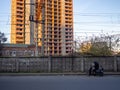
116, 13
74, 32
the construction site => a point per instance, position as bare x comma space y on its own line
44, 23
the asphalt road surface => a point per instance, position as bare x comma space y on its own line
59, 83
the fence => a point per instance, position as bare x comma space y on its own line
57, 64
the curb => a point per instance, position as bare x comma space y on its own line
53, 74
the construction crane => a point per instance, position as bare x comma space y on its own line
39, 8
38, 17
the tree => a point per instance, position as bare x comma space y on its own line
2, 38
85, 47
100, 49
97, 46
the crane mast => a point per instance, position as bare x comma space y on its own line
38, 17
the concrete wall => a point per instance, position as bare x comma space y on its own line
56, 64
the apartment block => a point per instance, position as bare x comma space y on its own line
54, 35
20, 24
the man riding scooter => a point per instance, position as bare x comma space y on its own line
95, 69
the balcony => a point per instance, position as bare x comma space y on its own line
19, 13
19, 4
69, 12
21, 40
20, 1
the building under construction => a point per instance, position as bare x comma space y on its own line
46, 23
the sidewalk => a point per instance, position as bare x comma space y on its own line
52, 74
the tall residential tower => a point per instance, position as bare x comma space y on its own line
51, 27
20, 25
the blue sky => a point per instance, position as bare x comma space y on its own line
5, 18
96, 17
90, 17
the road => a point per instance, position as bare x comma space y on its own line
59, 83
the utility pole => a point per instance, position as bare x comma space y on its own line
32, 24
35, 19
43, 27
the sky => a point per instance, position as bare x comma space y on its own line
95, 17
91, 17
